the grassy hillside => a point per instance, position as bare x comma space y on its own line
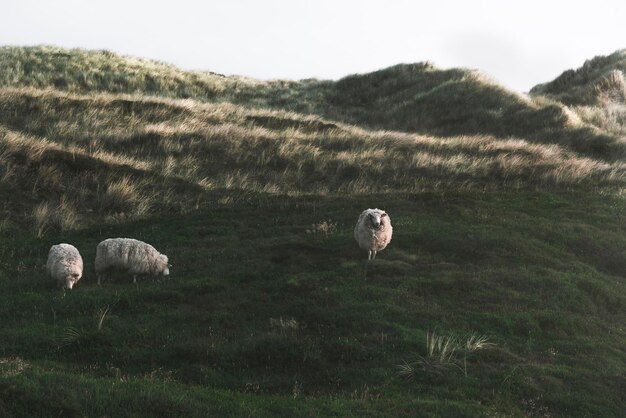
596, 92
264, 316
110, 157
509, 225
598, 79
417, 98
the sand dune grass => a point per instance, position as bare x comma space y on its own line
413, 98
122, 155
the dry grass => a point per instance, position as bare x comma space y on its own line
120, 196
79, 70
604, 98
610, 117
596, 92
443, 353
76, 147
225, 146
596, 80
415, 98
60, 187
90, 154
54, 218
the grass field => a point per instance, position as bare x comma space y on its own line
516, 237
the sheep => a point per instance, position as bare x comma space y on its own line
65, 265
373, 231
129, 256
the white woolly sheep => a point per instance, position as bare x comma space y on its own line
373, 231
65, 265
130, 256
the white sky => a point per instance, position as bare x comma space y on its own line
519, 43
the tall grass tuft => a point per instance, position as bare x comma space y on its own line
72, 336
61, 217
81, 337
101, 317
442, 354
473, 343
120, 196
439, 357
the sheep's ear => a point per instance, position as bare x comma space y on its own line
383, 215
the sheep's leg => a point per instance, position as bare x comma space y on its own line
369, 255
99, 279
134, 278
374, 255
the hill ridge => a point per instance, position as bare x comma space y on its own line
415, 98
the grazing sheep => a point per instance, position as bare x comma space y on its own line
129, 256
373, 231
65, 265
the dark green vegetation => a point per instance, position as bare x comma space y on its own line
515, 231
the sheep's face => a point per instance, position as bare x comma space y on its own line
377, 219
71, 280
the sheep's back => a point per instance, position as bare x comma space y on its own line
63, 260
131, 255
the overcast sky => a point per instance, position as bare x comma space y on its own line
519, 43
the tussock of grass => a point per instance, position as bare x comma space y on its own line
443, 354
55, 218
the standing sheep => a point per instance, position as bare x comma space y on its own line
129, 256
65, 265
373, 231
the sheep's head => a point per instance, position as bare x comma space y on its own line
377, 218
71, 280
165, 270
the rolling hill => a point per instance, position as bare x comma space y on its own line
599, 79
509, 222
596, 92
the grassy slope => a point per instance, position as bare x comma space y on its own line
518, 239
587, 84
596, 92
411, 98
112, 156
540, 274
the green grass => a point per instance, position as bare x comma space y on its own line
259, 312
509, 225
